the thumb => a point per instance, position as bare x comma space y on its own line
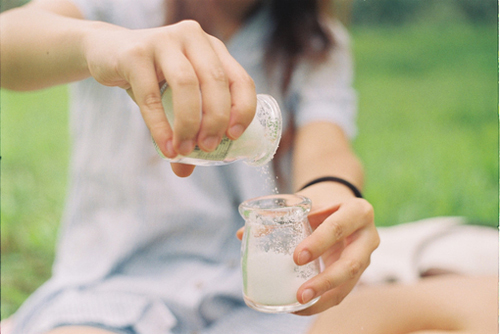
317, 216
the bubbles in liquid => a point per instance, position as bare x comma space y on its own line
274, 226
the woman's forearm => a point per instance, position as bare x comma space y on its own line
321, 149
40, 48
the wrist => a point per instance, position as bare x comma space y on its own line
334, 180
97, 38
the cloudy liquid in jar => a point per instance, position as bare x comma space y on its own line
273, 278
274, 226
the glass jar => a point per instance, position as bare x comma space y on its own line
256, 146
274, 226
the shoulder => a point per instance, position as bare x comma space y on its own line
338, 31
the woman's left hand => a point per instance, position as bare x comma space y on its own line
344, 236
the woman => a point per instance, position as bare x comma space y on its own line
142, 250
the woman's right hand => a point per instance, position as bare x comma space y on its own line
200, 71
47, 42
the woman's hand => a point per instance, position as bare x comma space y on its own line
344, 237
212, 94
48, 43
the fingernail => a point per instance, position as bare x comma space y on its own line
170, 149
186, 147
236, 130
304, 257
307, 295
211, 142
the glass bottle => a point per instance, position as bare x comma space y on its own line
256, 146
274, 226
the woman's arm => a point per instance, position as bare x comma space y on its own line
344, 231
322, 149
46, 43
42, 45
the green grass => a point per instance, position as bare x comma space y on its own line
428, 100
429, 121
35, 150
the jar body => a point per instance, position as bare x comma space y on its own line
256, 146
274, 226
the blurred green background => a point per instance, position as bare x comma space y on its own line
427, 78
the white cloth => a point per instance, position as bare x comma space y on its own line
141, 250
447, 243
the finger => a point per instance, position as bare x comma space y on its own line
242, 88
317, 216
354, 260
130, 93
182, 170
349, 217
329, 299
239, 233
186, 100
215, 93
145, 92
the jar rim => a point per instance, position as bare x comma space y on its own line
275, 203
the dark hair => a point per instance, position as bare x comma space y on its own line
298, 33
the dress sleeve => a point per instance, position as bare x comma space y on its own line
131, 14
94, 10
324, 92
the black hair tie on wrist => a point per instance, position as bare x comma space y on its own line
348, 184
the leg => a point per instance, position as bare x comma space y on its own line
444, 304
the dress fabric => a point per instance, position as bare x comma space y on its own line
143, 251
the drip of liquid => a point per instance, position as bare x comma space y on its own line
269, 183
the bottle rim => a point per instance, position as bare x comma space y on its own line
275, 125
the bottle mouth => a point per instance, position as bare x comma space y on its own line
268, 113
